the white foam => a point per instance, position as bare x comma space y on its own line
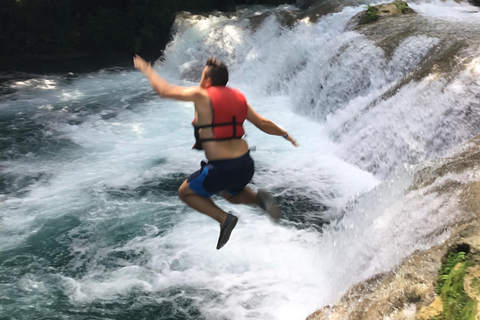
266, 271
448, 10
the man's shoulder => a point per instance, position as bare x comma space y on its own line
200, 91
197, 93
202, 99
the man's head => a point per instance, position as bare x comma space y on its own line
214, 74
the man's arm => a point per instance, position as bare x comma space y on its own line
165, 89
267, 126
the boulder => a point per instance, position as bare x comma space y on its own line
373, 13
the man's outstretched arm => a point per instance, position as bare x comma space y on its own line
165, 89
268, 126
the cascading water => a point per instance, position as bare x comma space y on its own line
90, 223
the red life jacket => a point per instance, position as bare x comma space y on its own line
229, 111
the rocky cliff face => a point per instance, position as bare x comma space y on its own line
442, 282
411, 291
427, 285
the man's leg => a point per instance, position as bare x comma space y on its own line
246, 196
262, 198
201, 204
206, 206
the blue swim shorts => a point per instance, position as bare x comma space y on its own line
215, 176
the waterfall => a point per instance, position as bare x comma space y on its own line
90, 222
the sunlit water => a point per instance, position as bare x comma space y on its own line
90, 223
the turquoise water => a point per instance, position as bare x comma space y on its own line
91, 226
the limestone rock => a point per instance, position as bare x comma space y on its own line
409, 292
432, 310
373, 13
396, 7
471, 285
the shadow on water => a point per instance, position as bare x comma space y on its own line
166, 186
303, 211
54, 64
297, 208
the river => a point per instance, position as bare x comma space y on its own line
91, 226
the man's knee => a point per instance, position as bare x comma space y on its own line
183, 191
227, 196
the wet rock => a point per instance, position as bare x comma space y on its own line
286, 18
374, 13
433, 310
322, 8
475, 2
315, 9
472, 283
409, 292
305, 4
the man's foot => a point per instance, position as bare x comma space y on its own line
226, 229
267, 203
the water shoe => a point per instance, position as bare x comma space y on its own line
226, 229
268, 204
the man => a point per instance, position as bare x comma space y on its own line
219, 114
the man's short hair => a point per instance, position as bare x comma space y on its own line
217, 72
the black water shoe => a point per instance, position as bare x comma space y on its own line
268, 204
226, 229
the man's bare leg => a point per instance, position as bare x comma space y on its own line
262, 198
207, 206
246, 196
201, 204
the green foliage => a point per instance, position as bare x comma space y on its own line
39, 25
372, 13
402, 6
100, 26
452, 260
104, 31
456, 304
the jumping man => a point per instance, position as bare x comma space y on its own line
218, 125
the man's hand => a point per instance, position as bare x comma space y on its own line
293, 141
141, 64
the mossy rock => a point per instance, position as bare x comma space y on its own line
431, 311
373, 13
